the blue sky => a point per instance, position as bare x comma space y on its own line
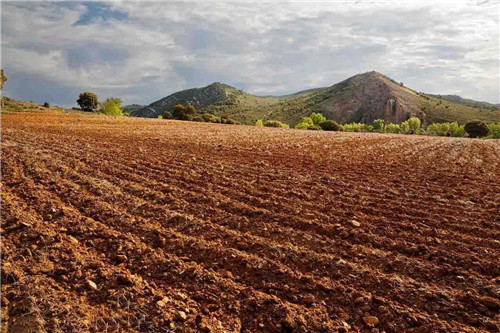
142, 52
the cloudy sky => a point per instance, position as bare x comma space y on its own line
142, 52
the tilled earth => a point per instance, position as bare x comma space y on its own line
136, 225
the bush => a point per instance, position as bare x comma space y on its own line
446, 129
379, 125
160, 117
166, 115
314, 128
476, 128
46, 105
414, 125
87, 101
210, 118
393, 128
404, 127
275, 123
357, 127
112, 107
317, 118
198, 119
302, 126
181, 112
330, 125
259, 123
495, 130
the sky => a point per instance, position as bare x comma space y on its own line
144, 51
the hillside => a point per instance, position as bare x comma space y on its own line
361, 98
465, 101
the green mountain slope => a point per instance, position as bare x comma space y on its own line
361, 98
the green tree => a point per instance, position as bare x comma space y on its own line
87, 101
476, 128
378, 125
414, 125
112, 107
181, 112
259, 123
302, 125
317, 118
3, 79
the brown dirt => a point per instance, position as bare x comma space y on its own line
137, 225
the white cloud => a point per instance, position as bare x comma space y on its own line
264, 48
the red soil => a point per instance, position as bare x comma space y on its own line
154, 226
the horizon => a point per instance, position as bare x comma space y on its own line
142, 52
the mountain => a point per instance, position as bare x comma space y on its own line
361, 98
132, 107
466, 101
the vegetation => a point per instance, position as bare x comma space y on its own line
305, 123
111, 107
181, 112
330, 125
46, 105
259, 123
87, 101
3, 79
317, 118
446, 129
379, 125
357, 127
314, 128
476, 128
494, 130
275, 123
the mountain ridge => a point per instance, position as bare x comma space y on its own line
361, 98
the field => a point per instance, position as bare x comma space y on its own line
146, 225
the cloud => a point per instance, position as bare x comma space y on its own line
145, 51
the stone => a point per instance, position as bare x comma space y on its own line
121, 258
355, 224
181, 315
91, 284
371, 320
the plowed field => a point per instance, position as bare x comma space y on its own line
136, 225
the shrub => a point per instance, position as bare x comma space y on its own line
302, 126
228, 121
160, 116
46, 105
393, 128
275, 123
495, 130
112, 107
210, 118
307, 120
259, 123
181, 112
378, 125
317, 118
404, 127
166, 115
476, 128
329, 125
87, 101
314, 128
357, 127
446, 129
198, 119
414, 125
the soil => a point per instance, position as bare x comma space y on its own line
140, 225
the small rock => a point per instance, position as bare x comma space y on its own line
181, 315
340, 262
309, 299
203, 326
371, 320
91, 284
160, 303
121, 258
73, 240
355, 223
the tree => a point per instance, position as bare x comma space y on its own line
378, 125
46, 105
112, 107
3, 79
476, 128
181, 112
259, 123
414, 125
87, 101
317, 118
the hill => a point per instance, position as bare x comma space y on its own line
361, 98
132, 107
465, 101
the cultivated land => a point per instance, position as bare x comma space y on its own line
144, 225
